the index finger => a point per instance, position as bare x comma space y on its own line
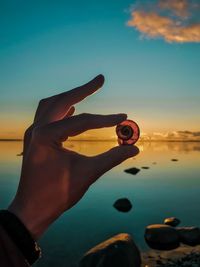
61, 103
79, 93
62, 129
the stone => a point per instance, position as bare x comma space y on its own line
133, 171
118, 251
20, 154
174, 159
145, 168
172, 221
189, 235
161, 237
123, 205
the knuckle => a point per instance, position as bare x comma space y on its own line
28, 133
85, 115
86, 120
46, 101
39, 133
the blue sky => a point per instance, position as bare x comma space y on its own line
50, 46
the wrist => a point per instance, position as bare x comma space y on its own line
28, 218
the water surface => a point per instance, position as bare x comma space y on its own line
166, 189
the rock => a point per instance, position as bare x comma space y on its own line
118, 251
123, 205
189, 235
161, 237
183, 256
172, 221
145, 168
158, 261
132, 170
174, 159
20, 154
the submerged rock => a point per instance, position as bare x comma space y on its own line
174, 159
189, 235
172, 221
20, 154
132, 171
145, 168
161, 237
118, 251
123, 205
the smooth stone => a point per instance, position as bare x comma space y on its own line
172, 221
118, 251
189, 235
161, 237
132, 171
123, 205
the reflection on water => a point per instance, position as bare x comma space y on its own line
165, 189
92, 148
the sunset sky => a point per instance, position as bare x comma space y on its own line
148, 51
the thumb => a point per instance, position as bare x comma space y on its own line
104, 162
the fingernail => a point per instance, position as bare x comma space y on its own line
123, 115
100, 77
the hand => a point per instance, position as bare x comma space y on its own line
53, 178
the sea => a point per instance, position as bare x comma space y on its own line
167, 188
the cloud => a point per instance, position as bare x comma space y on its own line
172, 136
180, 8
189, 133
176, 21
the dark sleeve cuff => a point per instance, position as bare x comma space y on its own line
20, 236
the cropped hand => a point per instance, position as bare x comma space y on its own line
53, 178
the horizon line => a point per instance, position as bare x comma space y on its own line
104, 140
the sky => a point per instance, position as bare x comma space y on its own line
148, 51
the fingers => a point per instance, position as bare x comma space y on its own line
54, 108
61, 130
78, 94
41, 109
107, 160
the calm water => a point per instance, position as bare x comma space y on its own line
166, 189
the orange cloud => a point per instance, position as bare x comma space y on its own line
178, 7
153, 24
172, 136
